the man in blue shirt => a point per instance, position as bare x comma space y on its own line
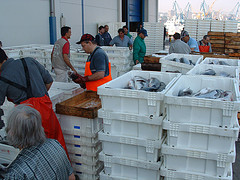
190, 41
122, 40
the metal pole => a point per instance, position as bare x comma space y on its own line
52, 23
127, 14
82, 17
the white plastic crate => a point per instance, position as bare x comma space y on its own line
84, 150
125, 124
87, 176
116, 167
167, 65
90, 160
80, 168
231, 62
200, 110
115, 98
8, 152
69, 89
56, 96
82, 141
201, 68
190, 160
183, 175
82, 126
201, 137
136, 148
117, 51
137, 67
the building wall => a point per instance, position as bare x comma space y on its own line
27, 21
151, 10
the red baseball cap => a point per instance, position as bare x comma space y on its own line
85, 37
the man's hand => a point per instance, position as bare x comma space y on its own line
130, 47
137, 61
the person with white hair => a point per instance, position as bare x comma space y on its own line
39, 158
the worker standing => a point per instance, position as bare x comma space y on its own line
60, 56
121, 40
205, 45
139, 47
26, 81
98, 67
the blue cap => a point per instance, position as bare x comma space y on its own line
144, 32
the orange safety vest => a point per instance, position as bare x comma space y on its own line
92, 85
203, 48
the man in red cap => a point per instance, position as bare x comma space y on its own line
97, 69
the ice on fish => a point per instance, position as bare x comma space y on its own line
224, 74
223, 63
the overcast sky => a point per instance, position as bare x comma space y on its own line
222, 5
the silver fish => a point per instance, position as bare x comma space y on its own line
131, 84
209, 72
153, 85
140, 82
223, 63
184, 60
224, 74
209, 93
175, 59
185, 92
162, 86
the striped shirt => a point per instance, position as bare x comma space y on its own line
44, 161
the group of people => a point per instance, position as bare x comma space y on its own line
184, 44
97, 69
33, 126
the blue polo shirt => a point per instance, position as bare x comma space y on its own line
126, 42
193, 44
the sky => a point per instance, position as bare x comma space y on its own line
219, 5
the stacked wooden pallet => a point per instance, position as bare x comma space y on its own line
232, 42
217, 42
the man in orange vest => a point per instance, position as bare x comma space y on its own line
97, 69
205, 45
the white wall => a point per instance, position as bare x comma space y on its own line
24, 22
27, 21
151, 10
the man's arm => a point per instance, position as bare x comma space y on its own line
67, 61
71, 177
96, 76
48, 86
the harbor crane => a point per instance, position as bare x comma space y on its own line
187, 10
178, 12
234, 12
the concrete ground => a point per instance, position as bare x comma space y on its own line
236, 165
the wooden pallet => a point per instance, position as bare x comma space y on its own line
217, 42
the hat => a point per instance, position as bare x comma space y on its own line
184, 33
86, 37
144, 32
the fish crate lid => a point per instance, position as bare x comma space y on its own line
84, 105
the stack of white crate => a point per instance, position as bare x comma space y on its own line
201, 133
203, 28
121, 58
231, 26
132, 127
191, 26
217, 26
83, 146
155, 38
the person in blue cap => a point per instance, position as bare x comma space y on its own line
139, 47
190, 41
